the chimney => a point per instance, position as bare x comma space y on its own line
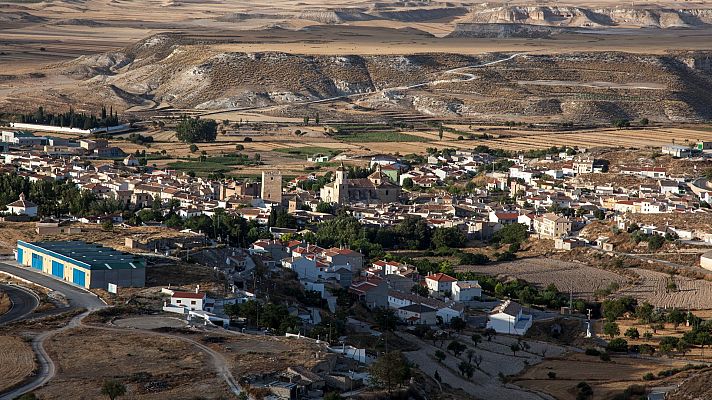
197, 288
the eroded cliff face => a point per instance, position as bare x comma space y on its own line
579, 87
589, 17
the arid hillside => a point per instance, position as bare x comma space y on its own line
171, 71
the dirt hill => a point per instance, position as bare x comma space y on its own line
196, 73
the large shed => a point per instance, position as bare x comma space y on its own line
89, 265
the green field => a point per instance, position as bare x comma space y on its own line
374, 136
211, 164
306, 151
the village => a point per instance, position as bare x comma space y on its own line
471, 266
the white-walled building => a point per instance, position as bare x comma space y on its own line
22, 207
191, 300
466, 290
508, 318
440, 283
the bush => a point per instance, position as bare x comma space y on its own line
648, 377
618, 345
590, 351
551, 375
605, 357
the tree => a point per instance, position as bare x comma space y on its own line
437, 377
617, 345
458, 324
456, 347
466, 369
239, 147
470, 353
113, 389
440, 355
419, 290
584, 391
644, 312
385, 318
193, 148
408, 183
440, 132
389, 370
191, 130
676, 317
108, 225
655, 242
611, 329
512, 233
632, 333
515, 348
448, 237
476, 338
477, 359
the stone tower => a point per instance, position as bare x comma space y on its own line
272, 186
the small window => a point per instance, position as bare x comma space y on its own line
192, 302
177, 301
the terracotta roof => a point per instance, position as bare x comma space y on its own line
440, 277
188, 295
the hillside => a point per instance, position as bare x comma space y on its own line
188, 72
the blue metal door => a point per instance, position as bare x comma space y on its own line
58, 269
20, 254
37, 261
79, 277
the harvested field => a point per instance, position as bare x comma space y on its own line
17, 361
691, 293
582, 279
150, 366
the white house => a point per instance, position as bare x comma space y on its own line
508, 318
22, 207
440, 283
191, 300
466, 290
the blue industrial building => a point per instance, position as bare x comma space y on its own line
84, 264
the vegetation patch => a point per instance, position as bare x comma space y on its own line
376, 136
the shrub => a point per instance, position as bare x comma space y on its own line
648, 377
590, 351
551, 375
605, 357
618, 345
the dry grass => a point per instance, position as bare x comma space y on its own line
17, 361
5, 303
151, 367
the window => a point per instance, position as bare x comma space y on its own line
177, 301
192, 302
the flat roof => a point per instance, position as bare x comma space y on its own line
92, 256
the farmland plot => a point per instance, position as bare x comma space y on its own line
691, 293
582, 279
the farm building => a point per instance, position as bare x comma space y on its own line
84, 264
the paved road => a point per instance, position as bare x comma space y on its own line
80, 298
77, 297
23, 303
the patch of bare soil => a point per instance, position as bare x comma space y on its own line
5, 303
151, 367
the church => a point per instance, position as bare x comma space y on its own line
376, 188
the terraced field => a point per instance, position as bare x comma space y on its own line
583, 280
694, 294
